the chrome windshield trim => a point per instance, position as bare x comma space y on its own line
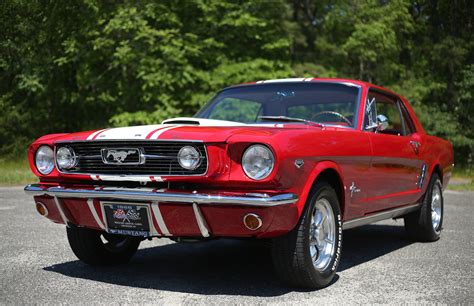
149, 194
347, 83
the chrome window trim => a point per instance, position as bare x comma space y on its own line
389, 95
345, 83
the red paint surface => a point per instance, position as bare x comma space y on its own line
222, 221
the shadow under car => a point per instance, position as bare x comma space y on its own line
226, 266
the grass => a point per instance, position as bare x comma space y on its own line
462, 180
17, 172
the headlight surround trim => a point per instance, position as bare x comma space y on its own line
258, 154
44, 159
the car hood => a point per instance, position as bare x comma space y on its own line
183, 128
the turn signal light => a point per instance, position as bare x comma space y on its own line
41, 208
252, 222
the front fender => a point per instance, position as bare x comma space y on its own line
312, 177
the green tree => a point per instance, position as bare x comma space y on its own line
83, 64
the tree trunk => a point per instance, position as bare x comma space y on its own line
361, 69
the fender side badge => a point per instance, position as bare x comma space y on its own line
353, 189
299, 163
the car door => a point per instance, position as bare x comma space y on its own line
395, 164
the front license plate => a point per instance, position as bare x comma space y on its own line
127, 219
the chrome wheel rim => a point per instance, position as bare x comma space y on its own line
322, 235
436, 209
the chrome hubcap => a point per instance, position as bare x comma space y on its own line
436, 210
322, 235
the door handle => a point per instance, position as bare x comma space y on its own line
415, 145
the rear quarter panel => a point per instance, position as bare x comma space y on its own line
438, 152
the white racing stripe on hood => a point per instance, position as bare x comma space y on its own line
154, 131
131, 132
94, 134
156, 135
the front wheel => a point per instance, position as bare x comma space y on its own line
99, 248
309, 255
426, 223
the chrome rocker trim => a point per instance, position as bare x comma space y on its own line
148, 194
389, 214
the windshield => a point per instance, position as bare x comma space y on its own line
328, 103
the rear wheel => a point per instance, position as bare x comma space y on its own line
309, 255
426, 223
99, 248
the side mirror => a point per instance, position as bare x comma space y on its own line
382, 122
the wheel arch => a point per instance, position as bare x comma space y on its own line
437, 169
434, 167
331, 173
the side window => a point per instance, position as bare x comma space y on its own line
387, 106
409, 125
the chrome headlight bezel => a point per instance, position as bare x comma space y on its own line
252, 156
66, 158
189, 158
44, 160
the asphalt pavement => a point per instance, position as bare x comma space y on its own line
379, 265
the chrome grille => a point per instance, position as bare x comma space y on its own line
160, 158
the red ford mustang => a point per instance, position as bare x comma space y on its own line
295, 160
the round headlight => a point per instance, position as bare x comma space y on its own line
44, 160
189, 158
65, 158
258, 162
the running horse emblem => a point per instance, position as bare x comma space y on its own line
119, 156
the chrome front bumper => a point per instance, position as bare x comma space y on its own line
148, 194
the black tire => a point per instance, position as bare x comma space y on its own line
291, 252
88, 246
419, 224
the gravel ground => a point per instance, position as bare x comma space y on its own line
379, 265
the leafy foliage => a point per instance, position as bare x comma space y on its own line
74, 65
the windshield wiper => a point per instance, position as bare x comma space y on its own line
289, 119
